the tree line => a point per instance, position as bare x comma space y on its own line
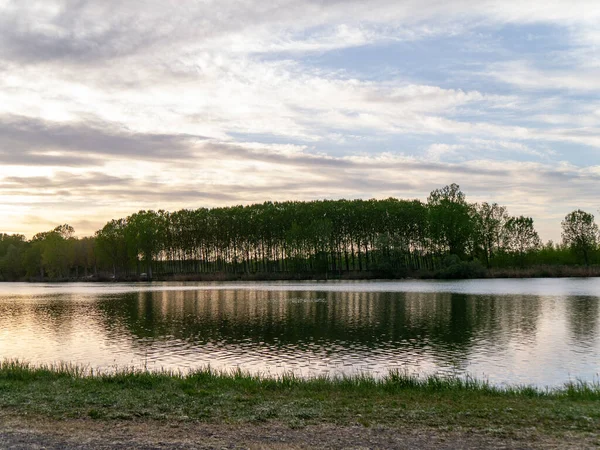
445, 236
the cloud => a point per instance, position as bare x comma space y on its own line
81, 32
524, 75
109, 107
301, 176
25, 140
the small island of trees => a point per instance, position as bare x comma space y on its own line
445, 237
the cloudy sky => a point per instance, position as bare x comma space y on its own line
108, 107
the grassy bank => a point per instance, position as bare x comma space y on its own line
398, 400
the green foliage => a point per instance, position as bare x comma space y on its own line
111, 246
455, 269
450, 221
554, 254
144, 234
580, 233
520, 238
329, 239
490, 221
235, 397
12, 252
54, 254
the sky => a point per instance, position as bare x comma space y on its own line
109, 107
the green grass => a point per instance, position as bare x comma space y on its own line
398, 400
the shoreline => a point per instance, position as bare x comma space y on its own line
398, 404
546, 271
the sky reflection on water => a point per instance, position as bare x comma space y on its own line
542, 332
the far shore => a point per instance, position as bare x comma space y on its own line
542, 271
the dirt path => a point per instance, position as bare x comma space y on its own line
16, 433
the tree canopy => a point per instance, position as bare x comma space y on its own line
389, 237
580, 233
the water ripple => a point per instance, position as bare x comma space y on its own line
506, 331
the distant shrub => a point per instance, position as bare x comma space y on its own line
455, 269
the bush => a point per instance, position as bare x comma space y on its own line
455, 269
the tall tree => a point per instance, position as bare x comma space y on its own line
489, 225
52, 252
112, 245
12, 251
580, 233
144, 232
520, 237
450, 221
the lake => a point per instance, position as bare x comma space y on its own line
542, 332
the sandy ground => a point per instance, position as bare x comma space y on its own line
36, 433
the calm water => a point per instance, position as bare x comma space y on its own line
542, 332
